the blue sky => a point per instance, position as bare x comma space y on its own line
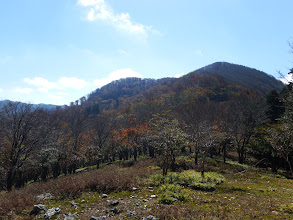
56, 51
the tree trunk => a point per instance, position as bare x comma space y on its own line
10, 179
224, 153
203, 163
196, 158
135, 153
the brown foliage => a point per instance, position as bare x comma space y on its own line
110, 178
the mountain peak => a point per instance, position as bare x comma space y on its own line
242, 75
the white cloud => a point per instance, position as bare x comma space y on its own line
56, 97
24, 90
1, 90
123, 52
100, 10
43, 84
118, 74
179, 75
287, 79
72, 82
63, 83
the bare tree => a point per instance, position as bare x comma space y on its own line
17, 139
243, 115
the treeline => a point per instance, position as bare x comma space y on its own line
36, 144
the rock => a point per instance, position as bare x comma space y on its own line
74, 204
115, 211
98, 218
131, 213
38, 208
71, 216
51, 212
150, 217
104, 196
134, 188
45, 196
113, 203
153, 196
145, 200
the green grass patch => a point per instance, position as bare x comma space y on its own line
189, 179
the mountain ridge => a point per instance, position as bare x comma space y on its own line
216, 82
242, 76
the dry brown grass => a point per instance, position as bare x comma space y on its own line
107, 179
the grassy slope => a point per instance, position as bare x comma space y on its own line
247, 193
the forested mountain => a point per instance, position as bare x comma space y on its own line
247, 77
206, 120
216, 82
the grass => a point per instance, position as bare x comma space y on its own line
255, 193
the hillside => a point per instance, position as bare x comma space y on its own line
216, 82
241, 75
119, 192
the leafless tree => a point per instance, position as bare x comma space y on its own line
17, 137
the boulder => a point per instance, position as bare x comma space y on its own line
115, 211
71, 216
38, 208
104, 196
150, 217
113, 203
98, 218
44, 196
51, 212
131, 213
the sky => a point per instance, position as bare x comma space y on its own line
56, 51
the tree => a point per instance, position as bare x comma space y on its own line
242, 116
280, 136
100, 132
275, 106
17, 137
131, 137
167, 138
205, 139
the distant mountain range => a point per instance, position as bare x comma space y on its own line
42, 106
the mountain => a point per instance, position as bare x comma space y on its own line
41, 106
245, 76
216, 82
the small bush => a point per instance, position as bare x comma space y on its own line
170, 193
287, 208
190, 179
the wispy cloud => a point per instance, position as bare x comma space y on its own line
179, 75
5, 59
123, 52
44, 85
1, 90
24, 90
73, 83
287, 79
115, 75
199, 53
100, 10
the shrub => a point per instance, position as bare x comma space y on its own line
190, 179
171, 193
